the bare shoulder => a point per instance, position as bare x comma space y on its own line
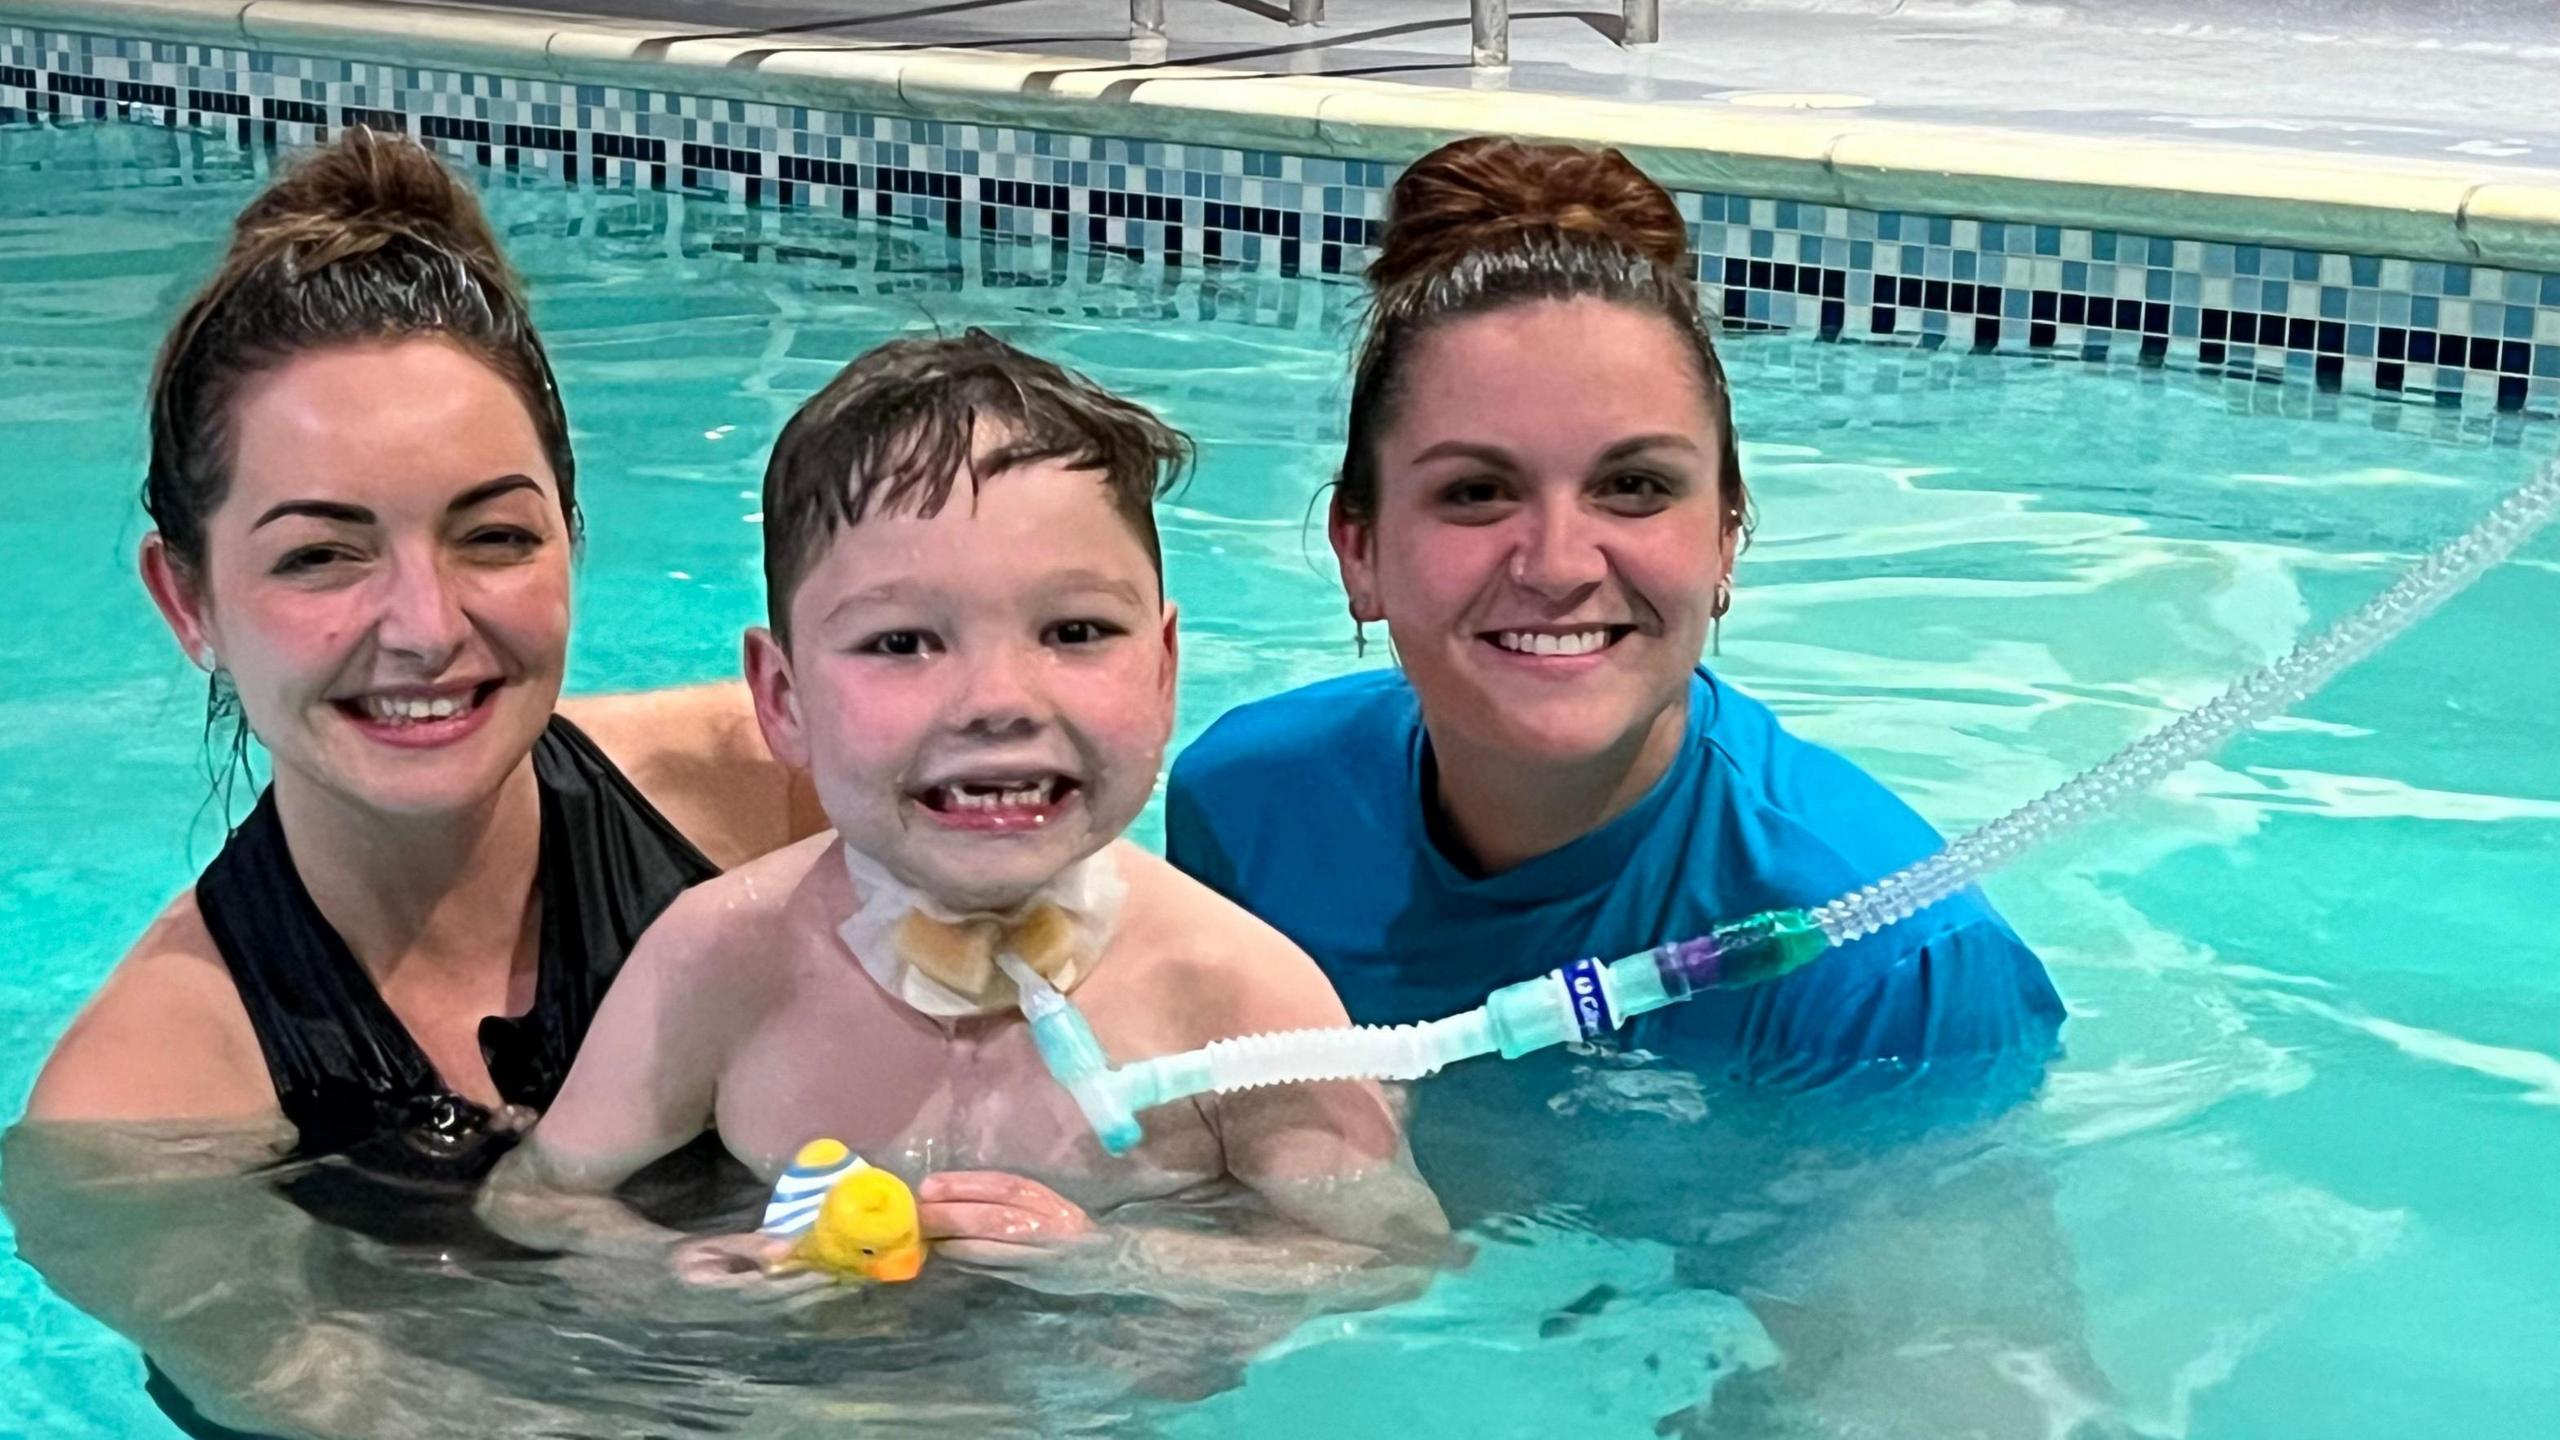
1247, 971
728, 927
699, 756
165, 1038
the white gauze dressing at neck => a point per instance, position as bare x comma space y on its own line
943, 962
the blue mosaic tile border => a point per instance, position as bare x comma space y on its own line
2440, 334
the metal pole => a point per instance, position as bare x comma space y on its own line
1306, 12
1146, 19
1492, 38
1643, 23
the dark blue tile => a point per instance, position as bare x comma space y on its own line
2457, 280
2049, 242
2365, 270
2306, 265
2102, 245
2244, 261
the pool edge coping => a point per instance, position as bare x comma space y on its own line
2263, 195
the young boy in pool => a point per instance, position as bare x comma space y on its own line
971, 653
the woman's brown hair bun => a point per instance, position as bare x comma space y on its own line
359, 195
1474, 194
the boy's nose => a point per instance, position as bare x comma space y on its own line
1000, 697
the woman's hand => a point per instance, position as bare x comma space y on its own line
989, 1218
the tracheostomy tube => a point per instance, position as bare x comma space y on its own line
1590, 998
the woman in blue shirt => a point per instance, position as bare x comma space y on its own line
1541, 500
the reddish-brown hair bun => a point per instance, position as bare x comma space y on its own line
358, 195
1475, 194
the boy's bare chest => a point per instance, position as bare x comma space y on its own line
918, 1096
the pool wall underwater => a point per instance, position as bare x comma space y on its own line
2428, 283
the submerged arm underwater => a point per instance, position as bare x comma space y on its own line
1588, 999
181, 1241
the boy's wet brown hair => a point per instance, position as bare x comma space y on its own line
896, 429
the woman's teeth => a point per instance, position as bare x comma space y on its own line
1579, 642
387, 710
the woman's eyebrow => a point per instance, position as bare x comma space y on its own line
1638, 444
1463, 450
488, 490
331, 510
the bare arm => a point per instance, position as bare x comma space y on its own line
1329, 1159
165, 1038
1347, 1210
641, 1087
696, 752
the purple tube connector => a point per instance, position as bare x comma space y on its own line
1746, 952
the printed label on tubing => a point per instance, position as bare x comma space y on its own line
1586, 985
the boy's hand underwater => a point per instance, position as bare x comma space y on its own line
1001, 1221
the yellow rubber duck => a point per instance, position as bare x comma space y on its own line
853, 1220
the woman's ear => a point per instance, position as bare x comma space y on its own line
179, 595
777, 698
1355, 549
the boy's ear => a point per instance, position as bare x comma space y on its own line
174, 589
1172, 654
1354, 546
777, 698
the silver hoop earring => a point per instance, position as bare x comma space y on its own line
1715, 622
1359, 639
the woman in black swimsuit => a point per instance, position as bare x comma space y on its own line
365, 511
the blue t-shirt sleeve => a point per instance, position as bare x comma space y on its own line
1190, 842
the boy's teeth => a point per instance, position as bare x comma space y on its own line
1009, 797
1580, 642
393, 710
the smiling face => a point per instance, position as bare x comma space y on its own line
386, 580
983, 696
1550, 531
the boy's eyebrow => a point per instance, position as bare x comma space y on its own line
1111, 585
888, 592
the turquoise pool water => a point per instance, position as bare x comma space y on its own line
2294, 1176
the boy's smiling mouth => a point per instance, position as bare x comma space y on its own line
1018, 800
